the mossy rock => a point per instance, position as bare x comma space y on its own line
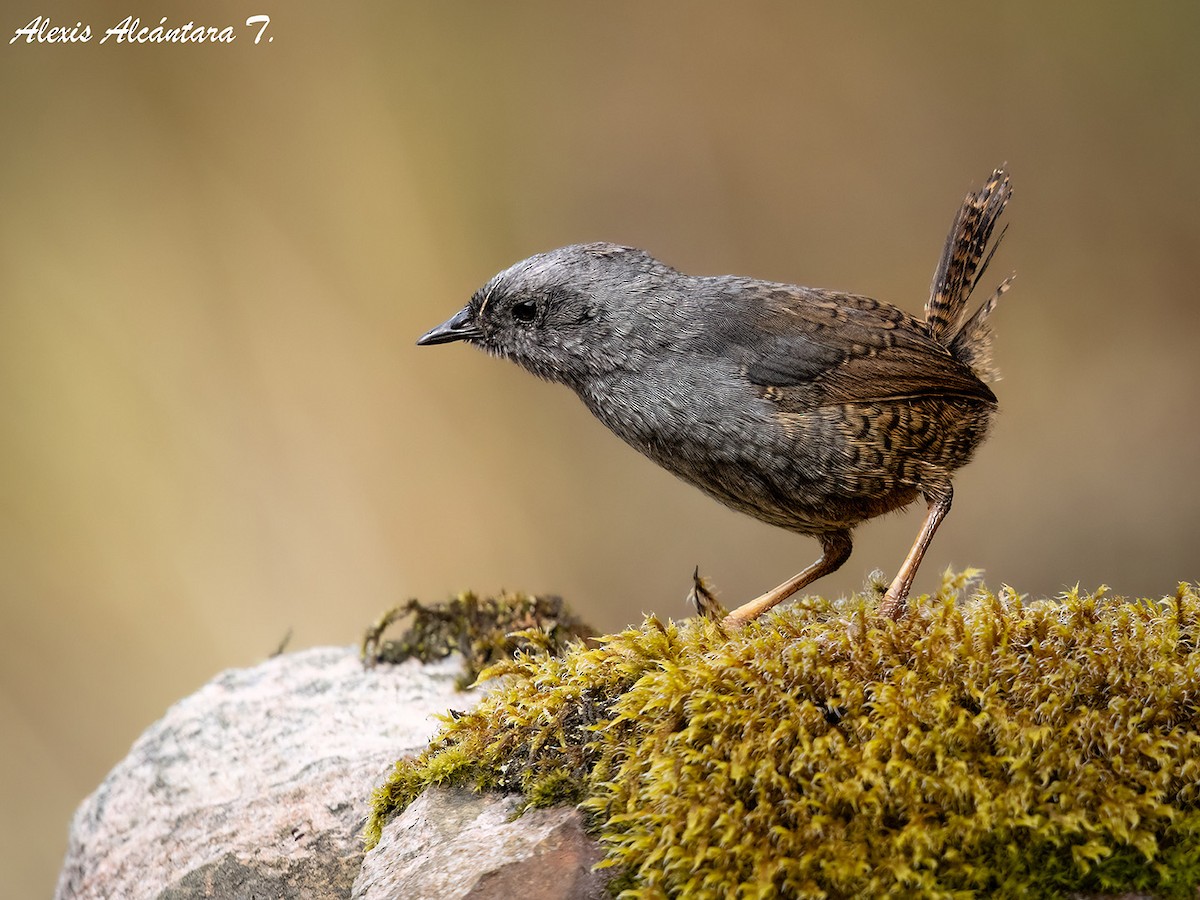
982, 746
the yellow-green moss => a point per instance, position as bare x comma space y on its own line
982, 746
484, 630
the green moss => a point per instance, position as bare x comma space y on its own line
982, 746
484, 630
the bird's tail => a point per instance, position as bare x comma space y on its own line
964, 260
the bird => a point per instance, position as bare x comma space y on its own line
809, 409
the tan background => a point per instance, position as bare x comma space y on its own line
214, 261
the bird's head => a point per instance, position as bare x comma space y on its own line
564, 315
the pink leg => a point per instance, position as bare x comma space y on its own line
836, 546
894, 605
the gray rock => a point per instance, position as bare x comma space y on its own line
257, 785
452, 844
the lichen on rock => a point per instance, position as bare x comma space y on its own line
982, 746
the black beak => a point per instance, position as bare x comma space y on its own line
460, 328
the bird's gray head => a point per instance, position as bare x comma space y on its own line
564, 315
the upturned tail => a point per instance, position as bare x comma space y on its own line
969, 249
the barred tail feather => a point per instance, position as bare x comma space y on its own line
964, 260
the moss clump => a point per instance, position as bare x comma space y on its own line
979, 747
484, 630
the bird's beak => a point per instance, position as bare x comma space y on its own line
460, 328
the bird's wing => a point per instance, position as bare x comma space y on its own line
806, 348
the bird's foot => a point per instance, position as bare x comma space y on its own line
894, 605
704, 600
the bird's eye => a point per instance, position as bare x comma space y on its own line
524, 311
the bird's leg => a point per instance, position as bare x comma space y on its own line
893, 605
836, 547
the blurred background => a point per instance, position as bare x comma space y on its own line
215, 426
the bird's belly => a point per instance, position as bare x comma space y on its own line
826, 469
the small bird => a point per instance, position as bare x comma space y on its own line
812, 410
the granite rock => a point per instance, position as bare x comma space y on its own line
452, 844
257, 785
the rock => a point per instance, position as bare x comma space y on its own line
258, 784
452, 844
